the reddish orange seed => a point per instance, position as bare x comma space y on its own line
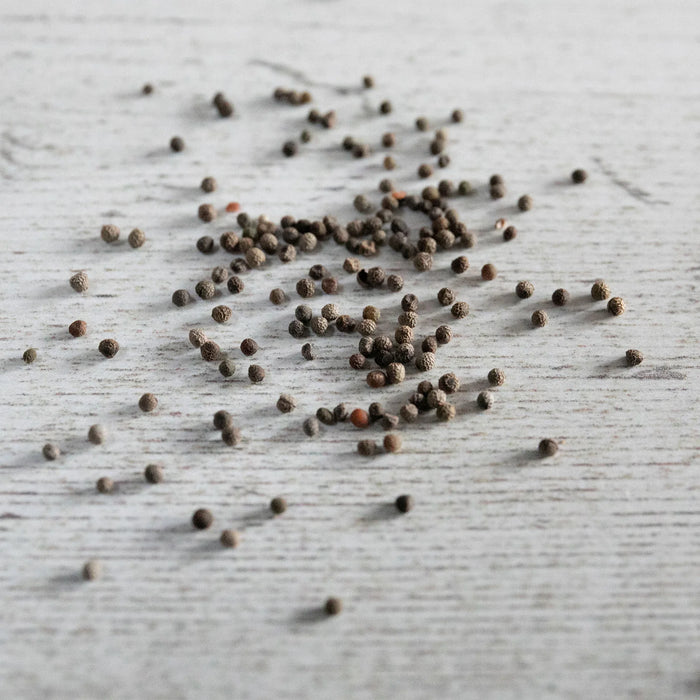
359, 418
399, 194
233, 207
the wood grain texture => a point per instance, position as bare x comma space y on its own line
513, 577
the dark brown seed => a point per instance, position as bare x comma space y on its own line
457, 115
235, 285
177, 144
404, 503
460, 309
496, 377
446, 296
368, 81
409, 413
227, 368
229, 538
208, 184
51, 452
148, 402
634, 357
357, 360
108, 347
110, 233
422, 124
524, 290
579, 176
79, 282
231, 435
303, 313
509, 233
105, 485
290, 148
425, 362
325, 416
484, 400
600, 290
525, 203
278, 505
224, 107
153, 474
308, 351
429, 344
228, 241
495, 180
560, 297
449, 383
361, 150
210, 351
255, 257
409, 302
206, 245
424, 170
616, 306
488, 272
464, 188
202, 519
376, 379
497, 191
219, 274
147, 89
305, 288
286, 403
385, 107
423, 262
366, 447
547, 447
443, 335
305, 136
277, 296
221, 314
460, 264
256, 374
388, 140
539, 318
77, 329
222, 419
443, 160
445, 412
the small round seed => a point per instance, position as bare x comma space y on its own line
208, 184
404, 503
445, 412
255, 257
51, 452
108, 347
429, 344
136, 238
256, 374
231, 435
97, 434
222, 419
319, 325
181, 297
423, 262
278, 505
334, 606
457, 115
305, 288
409, 413
560, 297
579, 176
221, 314
77, 329
249, 347
634, 357
286, 403
425, 362
277, 296
197, 337
424, 170
357, 360
525, 203
509, 233
389, 163
29, 355
206, 212
496, 377
210, 351
385, 107
79, 282
539, 318
205, 289
422, 124
460, 264
235, 285
366, 447
488, 272
290, 148
600, 290
446, 296
92, 570
616, 306
202, 519
105, 485
460, 309
308, 351
219, 274
153, 473
464, 188
148, 402
484, 400
443, 335
229, 538
110, 233
435, 398
524, 290
547, 447
227, 368
359, 418
395, 373
392, 443
376, 378
449, 383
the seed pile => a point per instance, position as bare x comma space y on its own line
393, 341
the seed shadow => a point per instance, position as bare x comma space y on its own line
382, 511
59, 291
67, 581
309, 616
257, 518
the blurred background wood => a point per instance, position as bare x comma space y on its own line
513, 577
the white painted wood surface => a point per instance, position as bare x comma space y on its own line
575, 577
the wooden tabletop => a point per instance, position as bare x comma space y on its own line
513, 576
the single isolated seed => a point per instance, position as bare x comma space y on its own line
148, 403
376, 379
136, 238
600, 290
422, 124
539, 318
206, 212
206, 245
79, 282
153, 473
29, 355
368, 81
464, 188
560, 297
96, 434
366, 447
229, 538
256, 374
235, 285
147, 89
385, 107
457, 115
579, 176
308, 351
443, 335
484, 400
404, 503
77, 329
108, 347
277, 296
547, 447
208, 184
181, 297
51, 451
388, 140
525, 203
177, 144
524, 290
290, 148
221, 314
105, 485
219, 274
634, 357
496, 377
488, 272
460, 264
305, 288
227, 368
497, 191
424, 170
278, 505
286, 403
446, 296
616, 306
92, 570
334, 606
202, 519
249, 347
110, 233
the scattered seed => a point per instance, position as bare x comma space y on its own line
77, 329
227, 368
208, 184
634, 357
205, 289
366, 447
496, 377
147, 89
278, 505
210, 351
305, 136
389, 163
108, 347
229, 538
177, 144
29, 355
359, 418
460, 264
425, 362
600, 290
249, 347
435, 398
290, 148
136, 238
96, 434
219, 275
368, 81
547, 447
510, 233
51, 452
222, 419
256, 374
404, 503
579, 176
202, 519
445, 412
616, 306
308, 351
560, 297
153, 473
443, 335
484, 400
424, 170
110, 233
277, 296
488, 272
422, 124
409, 412
525, 203
286, 403
148, 402
524, 290
385, 107
464, 188
92, 570
221, 314
231, 435
429, 344
105, 485
449, 383
457, 115
197, 337
497, 191
460, 309
79, 282
539, 318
